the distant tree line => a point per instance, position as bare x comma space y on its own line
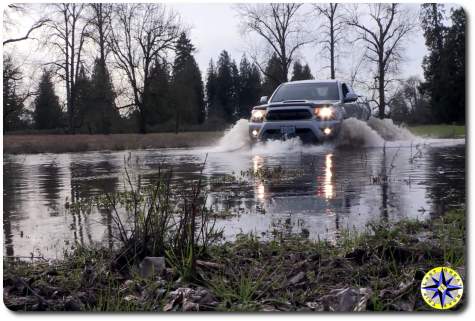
127, 82
440, 97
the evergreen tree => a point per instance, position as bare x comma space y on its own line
301, 72
272, 74
211, 91
249, 87
84, 108
47, 113
13, 107
159, 108
187, 85
454, 71
444, 66
225, 98
236, 89
103, 113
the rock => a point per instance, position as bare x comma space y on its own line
131, 298
268, 308
190, 306
346, 299
297, 278
190, 300
315, 306
152, 266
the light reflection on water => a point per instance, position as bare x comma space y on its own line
321, 191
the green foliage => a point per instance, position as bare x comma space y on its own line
249, 89
301, 72
47, 114
439, 131
101, 115
224, 101
159, 109
186, 86
13, 108
444, 66
273, 75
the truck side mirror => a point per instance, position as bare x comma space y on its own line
263, 100
350, 97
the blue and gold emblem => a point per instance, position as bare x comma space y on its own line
442, 288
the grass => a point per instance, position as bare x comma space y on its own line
439, 131
291, 274
31, 144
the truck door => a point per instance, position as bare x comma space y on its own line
351, 107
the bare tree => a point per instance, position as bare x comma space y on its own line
101, 14
9, 21
142, 34
282, 29
383, 33
68, 35
333, 29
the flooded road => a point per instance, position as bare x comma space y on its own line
277, 188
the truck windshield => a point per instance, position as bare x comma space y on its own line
307, 91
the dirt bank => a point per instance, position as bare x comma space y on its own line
31, 144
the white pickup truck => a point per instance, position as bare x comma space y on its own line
312, 110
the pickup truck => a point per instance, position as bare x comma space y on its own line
312, 110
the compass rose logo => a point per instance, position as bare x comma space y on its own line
442, 288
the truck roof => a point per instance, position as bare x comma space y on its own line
312, 81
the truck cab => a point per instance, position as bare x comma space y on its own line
312, 110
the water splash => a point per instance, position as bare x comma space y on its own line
355, 132
235, 138
388, 130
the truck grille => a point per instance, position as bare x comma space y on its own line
288, 114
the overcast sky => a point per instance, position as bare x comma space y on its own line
214, 27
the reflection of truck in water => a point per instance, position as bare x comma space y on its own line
312, 110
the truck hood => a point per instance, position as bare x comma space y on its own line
296, 103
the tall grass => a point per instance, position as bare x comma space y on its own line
162, 219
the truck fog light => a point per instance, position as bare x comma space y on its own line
327, 131
254, 133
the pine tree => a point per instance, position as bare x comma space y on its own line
236, 90
454, 69
84, 108
301, 72
250, 87
187, 85
211, 91
159, 109
225, 106
272, 74
13, 107
47, 113
432, 16
444, 66
103, 113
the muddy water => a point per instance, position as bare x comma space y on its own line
320, 191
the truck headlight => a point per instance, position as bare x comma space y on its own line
324, 113
257, 116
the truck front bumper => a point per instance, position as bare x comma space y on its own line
309, 131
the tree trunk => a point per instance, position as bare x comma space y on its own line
382, 102
332, 51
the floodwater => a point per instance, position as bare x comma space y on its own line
366, 175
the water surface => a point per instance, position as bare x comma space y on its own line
323, 189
